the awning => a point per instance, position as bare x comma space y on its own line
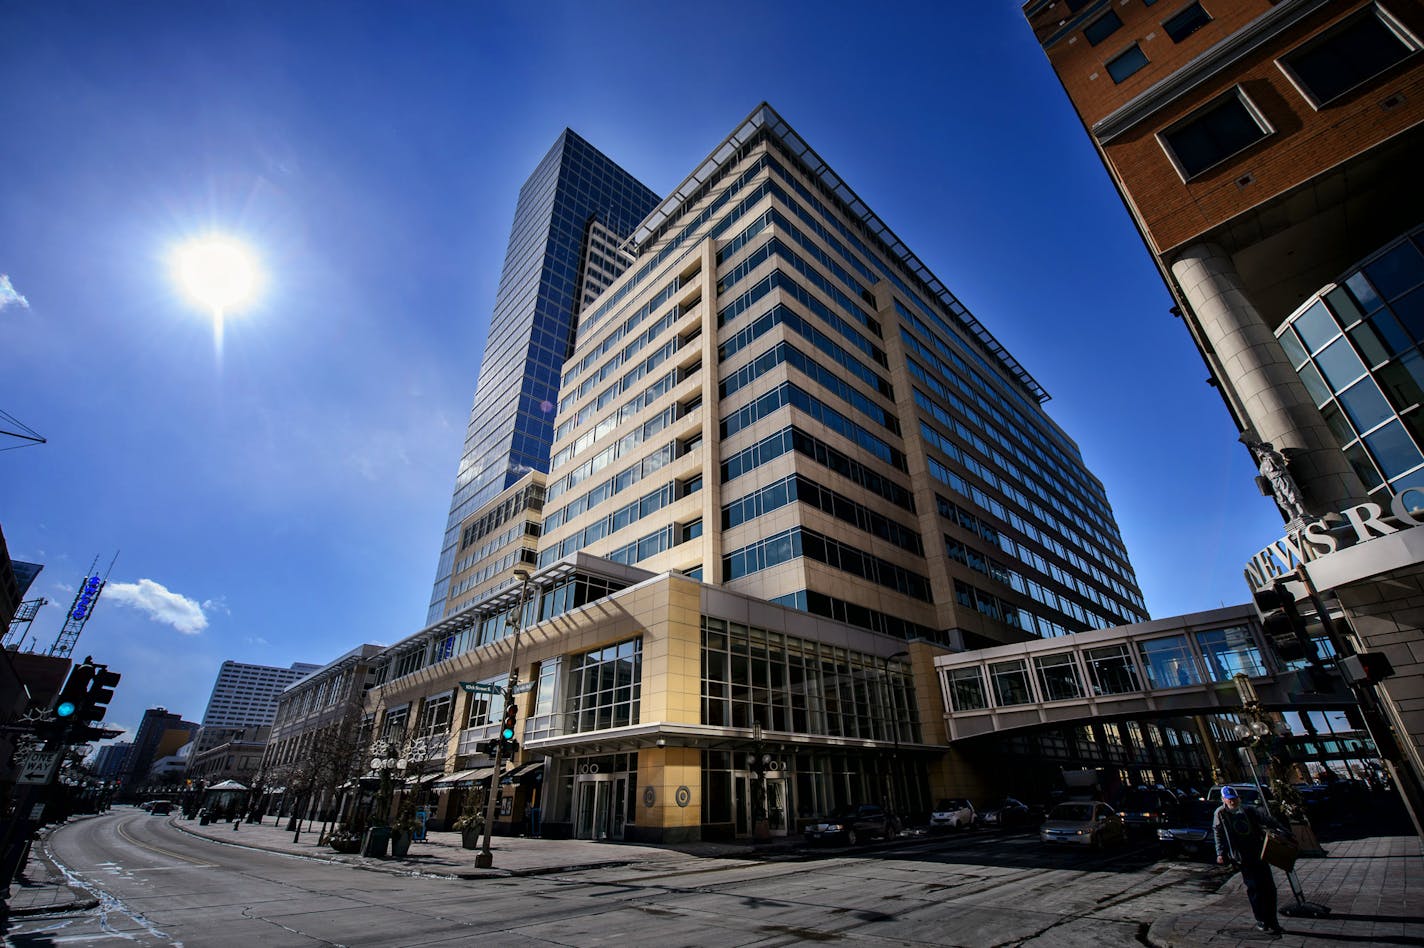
525, 771
227, 785
423, 778
465, 778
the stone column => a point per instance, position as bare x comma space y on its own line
1275, 401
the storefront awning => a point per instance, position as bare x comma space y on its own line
525, 771
465, 778
423, 778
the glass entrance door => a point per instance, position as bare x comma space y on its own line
775, 812
602, 806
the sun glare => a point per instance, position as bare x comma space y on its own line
217, 272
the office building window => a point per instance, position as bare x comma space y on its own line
1126, 63
1101, 28
1185, 22
1349, 55
1215, 133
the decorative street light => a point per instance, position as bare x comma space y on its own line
485, 858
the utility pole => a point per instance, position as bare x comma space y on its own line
485, 858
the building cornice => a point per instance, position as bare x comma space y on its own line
1260, 31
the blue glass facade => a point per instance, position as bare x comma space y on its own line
574, 190
1358, 345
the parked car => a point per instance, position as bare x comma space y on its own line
1248, 793
1006, 814
953, 813
146, 805
1082, 824
161, 808
1188, 833
1146, 808
852, 824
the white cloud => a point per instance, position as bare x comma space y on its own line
161, 604
9, 295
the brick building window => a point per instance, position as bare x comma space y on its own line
1213, 134
1348, 55
1101, 28
1185, 22
1126, 63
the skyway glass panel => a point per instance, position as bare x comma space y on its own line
1229, 652
1113, 670
1169, 662
1011, 684
1058, 677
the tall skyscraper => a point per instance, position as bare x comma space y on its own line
572, 213
789, 469
1269, 155
781, 398
245, 696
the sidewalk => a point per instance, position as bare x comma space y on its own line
1373, 886
43, 890
441, 853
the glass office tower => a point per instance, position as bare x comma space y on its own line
571, 212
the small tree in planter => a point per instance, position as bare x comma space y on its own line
471, 822
403, 830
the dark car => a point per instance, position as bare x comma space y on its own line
852, 824
1006, 813
1146, 808
1188, 832
160, 808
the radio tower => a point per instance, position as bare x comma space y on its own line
81, 609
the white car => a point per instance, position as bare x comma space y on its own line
955, 813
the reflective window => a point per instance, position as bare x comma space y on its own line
966, 689
1101, 28
1393, 450
1316, 326
1365, 405
1112, 670
1168, 662
1186, 22
1213, 135
1339, 364
1229, 652
1058, 677
1126, 63
1397, 271
1348, 56
1011, 684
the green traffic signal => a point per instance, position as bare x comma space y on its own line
65, 709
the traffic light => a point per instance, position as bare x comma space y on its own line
1371, 667
101, 692
1282, 624
69, 704
511, 717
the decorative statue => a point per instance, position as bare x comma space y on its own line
1276, 476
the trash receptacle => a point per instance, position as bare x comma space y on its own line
376, 841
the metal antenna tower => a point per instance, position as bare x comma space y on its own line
81, 609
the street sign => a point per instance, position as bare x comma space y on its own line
524, 689
36, 767
480, 687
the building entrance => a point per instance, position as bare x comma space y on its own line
777, 800
600, 806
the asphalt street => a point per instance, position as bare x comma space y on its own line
159, 886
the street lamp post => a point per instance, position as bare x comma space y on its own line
895, 734
485, 858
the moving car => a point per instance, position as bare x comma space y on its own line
1082, 824
852, 824
161, 808
953, 813
1005, 814
1188, 833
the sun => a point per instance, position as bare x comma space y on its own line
217, 272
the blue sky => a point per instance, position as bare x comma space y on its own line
287, 501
